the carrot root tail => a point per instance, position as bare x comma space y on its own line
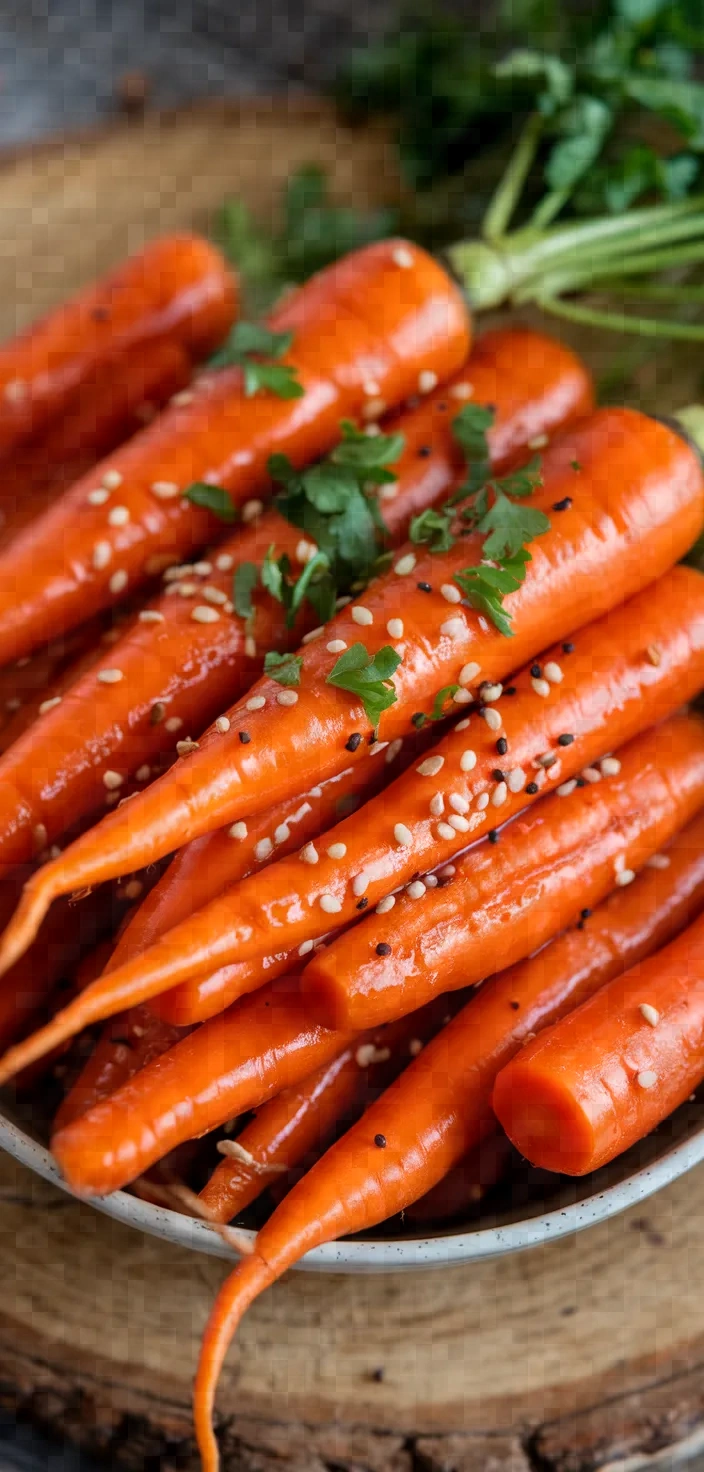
24, 925
249, 1279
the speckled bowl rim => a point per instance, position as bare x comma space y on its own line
387, 1255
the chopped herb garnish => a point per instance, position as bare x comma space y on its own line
313, 583
370, 677
447, 693
243, 584
284, 668
212, 498
251, 347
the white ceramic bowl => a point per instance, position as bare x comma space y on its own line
567, 1207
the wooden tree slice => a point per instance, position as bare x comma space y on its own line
585, 1354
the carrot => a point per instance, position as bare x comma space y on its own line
608, 690
629, 511
461, 1190
176, 289
602, 1078
129, 1043
436, 1111
364, 324
64, 937
261, 1045
305, 1117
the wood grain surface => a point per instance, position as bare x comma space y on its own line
585, 1354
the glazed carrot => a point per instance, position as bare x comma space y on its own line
305, 1117
629, 511
128, 1044
365, 331
461, 1190
233, 1063
624, 673
64, 937
436, 1111
603, 1077
177, 288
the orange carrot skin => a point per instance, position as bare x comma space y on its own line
636, 506
602, 1078
363, 321
609, 691
460, 1191
508, 898
127, 1044
260, 1046
178, 287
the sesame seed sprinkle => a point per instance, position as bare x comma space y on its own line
287, 697
110, 677
374, 408
458, 803
377, 746
553, 672
164, 490
482, 801
658, 861
330, 904
610, 766
489, 693
222, 724
437, 805
263, 849
204, 614
450, 593
403, 835
647, 1079
516, 779
462, 697
98, 497
282, 833
650, 1014
405, 565
336, 646
453, 628
624, 877
427, 381
492, 718
143, 773
394, 628
468, 673
468, 760
112, 780
416, 890
499, 794
337, 850
402, 257
250, 646
362, 615
459, 823
213, 595
251, 510
462, 391
174, 723
48, 705
462, 725
566, 788
313, 634
225, 562
185, 747
431, 766
118, 516
118, 581
309, 854
305, 948
393, 750
654, 654
540, 686
360, 883
102, 555
591, 774
255, 702
386, 904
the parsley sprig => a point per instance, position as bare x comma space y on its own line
369, 677
254, 349
284, 668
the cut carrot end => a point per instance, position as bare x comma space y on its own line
249, 1279
543, 1119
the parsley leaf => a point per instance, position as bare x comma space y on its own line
313, 583
246, 346
212, 498
243, 584
434, 528
438, 712
470, 428
284, 668
367, 676
485, 587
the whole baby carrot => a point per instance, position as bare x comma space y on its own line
603, 1077
436, 1111
621, 675
177, 289
628, 511
366, 332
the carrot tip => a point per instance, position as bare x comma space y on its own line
25, 923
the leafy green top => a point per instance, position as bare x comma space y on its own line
251, 347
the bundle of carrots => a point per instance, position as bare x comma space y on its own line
414, 739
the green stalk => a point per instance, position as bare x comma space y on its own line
510, 187
618, 322
603, 274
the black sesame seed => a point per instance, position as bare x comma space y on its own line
419, 719
581, 782
536, 671
424, 587
532, 788
565, 739
362, 904
498, 775
568, 648
371, 738
586, 914
509, 690
380, 1142
383, 949
580, 925
355, 740
425, 451
563, 505
245, 737
515, 1006
502, 746
493, 836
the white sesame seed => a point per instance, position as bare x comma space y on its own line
431, 766
214, 595
388, 493
203, 569
482, 801
98, 497
448, 872
437, 805
48, 705
499, 794
516, 779
377, 747
386, 904
538, 442
430, 881
110, 677
112, 780
463, 697
250, 646
164, 490
203, 614
176, 571
251, 509
305, 551
658, 861
118, 516
468, 760
459, 823
490, 693
336, 646
405, 564
362, 615
427, 381
359, 884
184, 748
186, 590
591, 774
620, 862
371, 431
313, 634
548, 759
462, 391
118, 581
626, 876
287, 697
462, 725
458, 803
132, 891
492, 717
647, 1079
403, 835
263, 849
650, 1014
305, 948
222, 724
541, 687
256, 702
330, 904
184, 396
402, 257
337, 850
610, 766
370, 388
566, 788
238, 831
393, 750
15, 390
40, 835
416, 890
102, 555
174, 723
143, 773
394, 628
282, 833
309, 854
342, 601
450, 593
468, 673
225, 562
453, 628
415, 1047
553, 672
374, 408
112, 479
